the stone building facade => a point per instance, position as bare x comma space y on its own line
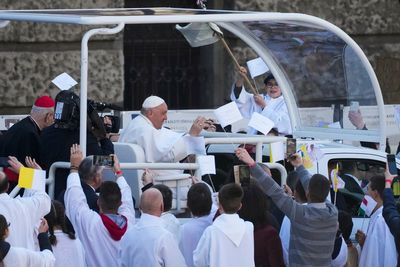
31, 54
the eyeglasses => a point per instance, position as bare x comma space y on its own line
8, 224
272, 85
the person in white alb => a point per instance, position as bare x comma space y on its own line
100, 233
148, 243
11, 256
203, 211
377, 247
229, 241
23, 213
271, 104
159, 144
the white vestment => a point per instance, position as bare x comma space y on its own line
379, 249
100, 248
68, 252
148, 243
228, 242
22, 257
159, 145
275, 110
24, 214
171, 223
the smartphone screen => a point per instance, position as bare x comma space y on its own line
290, 146
242, 174
354, 106
101, 160
4, 162
391, 160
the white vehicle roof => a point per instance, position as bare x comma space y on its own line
315, 63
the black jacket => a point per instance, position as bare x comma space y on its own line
56, 145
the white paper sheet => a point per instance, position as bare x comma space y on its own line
64, 81
206, 164
228, 114
261, 123
277, 151
257, 67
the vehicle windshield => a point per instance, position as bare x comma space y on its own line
324, 72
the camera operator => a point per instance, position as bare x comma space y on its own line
59, 137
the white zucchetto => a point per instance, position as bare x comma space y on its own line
152, 102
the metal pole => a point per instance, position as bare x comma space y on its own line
84, 79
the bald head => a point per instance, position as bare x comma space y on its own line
3, 182
151, 202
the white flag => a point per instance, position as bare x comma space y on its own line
257, 67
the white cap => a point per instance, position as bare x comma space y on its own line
152, 102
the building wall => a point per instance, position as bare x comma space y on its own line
32, 54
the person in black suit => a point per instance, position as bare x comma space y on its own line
58, 138
91, 179
23, 138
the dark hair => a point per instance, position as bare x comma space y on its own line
199, 199
56, 217
110, 196
87, 171
269, 77
230, 197
4, 184
377, 183
254, 206
166, 195
300, 192
318, 188
3, 226
347, 166
345, 225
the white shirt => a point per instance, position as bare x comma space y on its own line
68, 252
228, 242
100, 248
379, 249
341, 258
275, 110
148, 243
24, 214
22, 257
159, 145
191, 233
171, 223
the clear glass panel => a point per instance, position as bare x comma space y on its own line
325, 73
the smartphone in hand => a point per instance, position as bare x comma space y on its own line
103, 160
391, 160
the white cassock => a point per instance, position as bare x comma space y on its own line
100, 248
148, 243
379, 249
171, 224
159, 145
228, 242
22, 257
68, 252
191, 233
275, 110
23, 214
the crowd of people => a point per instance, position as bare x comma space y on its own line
235, 226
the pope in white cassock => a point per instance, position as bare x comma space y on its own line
271, 105
159, 144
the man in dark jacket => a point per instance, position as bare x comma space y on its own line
23, 138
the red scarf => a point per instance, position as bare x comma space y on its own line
115, 231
